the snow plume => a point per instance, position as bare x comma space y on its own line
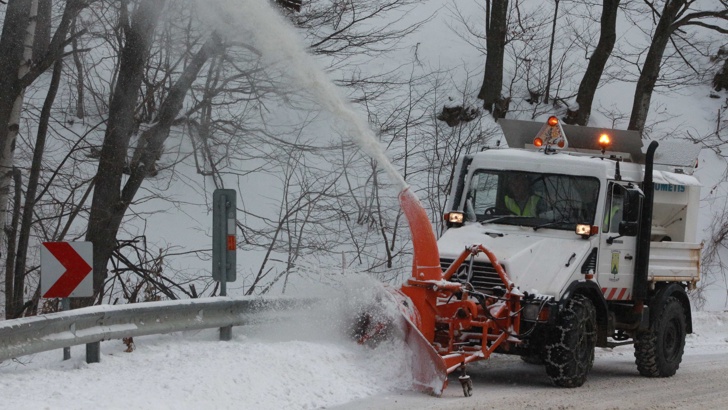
382, 364
258, 22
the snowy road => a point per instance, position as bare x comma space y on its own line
613, 383
303, 364
701, 383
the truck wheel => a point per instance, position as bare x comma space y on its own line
570, 343
659, 351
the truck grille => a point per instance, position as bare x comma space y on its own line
484, 276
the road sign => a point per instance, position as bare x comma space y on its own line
223, 235
65, 269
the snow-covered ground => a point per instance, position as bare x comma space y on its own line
307, 364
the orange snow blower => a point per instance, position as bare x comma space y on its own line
450, 325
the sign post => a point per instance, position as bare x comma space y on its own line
224, 244
65, 269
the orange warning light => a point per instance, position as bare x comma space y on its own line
553, 121
604, 141
231, 246
538, 142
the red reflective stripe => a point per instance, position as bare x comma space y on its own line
611, 293
621, 293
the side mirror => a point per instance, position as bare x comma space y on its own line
632, 206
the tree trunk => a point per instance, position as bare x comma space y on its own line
12, 304
42, 38
490, 91
547, 91
106, 203
80, 76
651, 68
720, 81
597, 62
35, 167
16, 27
18, 31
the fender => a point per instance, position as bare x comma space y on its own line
591, 290
662, 293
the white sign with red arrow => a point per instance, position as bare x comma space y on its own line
65, 269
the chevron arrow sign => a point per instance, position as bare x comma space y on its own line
65, 269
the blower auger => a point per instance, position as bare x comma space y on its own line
449, 324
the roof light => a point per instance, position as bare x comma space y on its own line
604, 141
551, 136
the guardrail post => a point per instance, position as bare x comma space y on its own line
93, 352
66, 306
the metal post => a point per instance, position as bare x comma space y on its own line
66, 306
226, 332
93, 352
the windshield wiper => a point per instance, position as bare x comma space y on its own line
560, 221
499, 218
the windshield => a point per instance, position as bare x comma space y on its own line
531, 199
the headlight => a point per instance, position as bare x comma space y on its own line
586, 231
454, 218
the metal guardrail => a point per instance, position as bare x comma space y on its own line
42, 333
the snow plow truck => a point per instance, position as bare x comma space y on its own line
554, 247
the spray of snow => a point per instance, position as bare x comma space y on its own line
258, 22
301, 359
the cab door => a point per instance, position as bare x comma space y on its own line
615, 270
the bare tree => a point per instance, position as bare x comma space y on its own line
111, 200
598, 60
675, 16
18, 72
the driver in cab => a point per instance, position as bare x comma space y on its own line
520, 200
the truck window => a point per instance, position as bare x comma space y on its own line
532, 199
613, 208
483, 193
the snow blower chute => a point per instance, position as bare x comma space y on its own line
448, 324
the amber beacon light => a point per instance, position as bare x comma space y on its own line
604, 142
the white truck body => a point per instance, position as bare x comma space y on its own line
548, 260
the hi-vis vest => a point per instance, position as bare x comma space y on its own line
609, 217
528, 210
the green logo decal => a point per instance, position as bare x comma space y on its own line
615, 262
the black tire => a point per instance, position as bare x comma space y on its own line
570, 343
658, 352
